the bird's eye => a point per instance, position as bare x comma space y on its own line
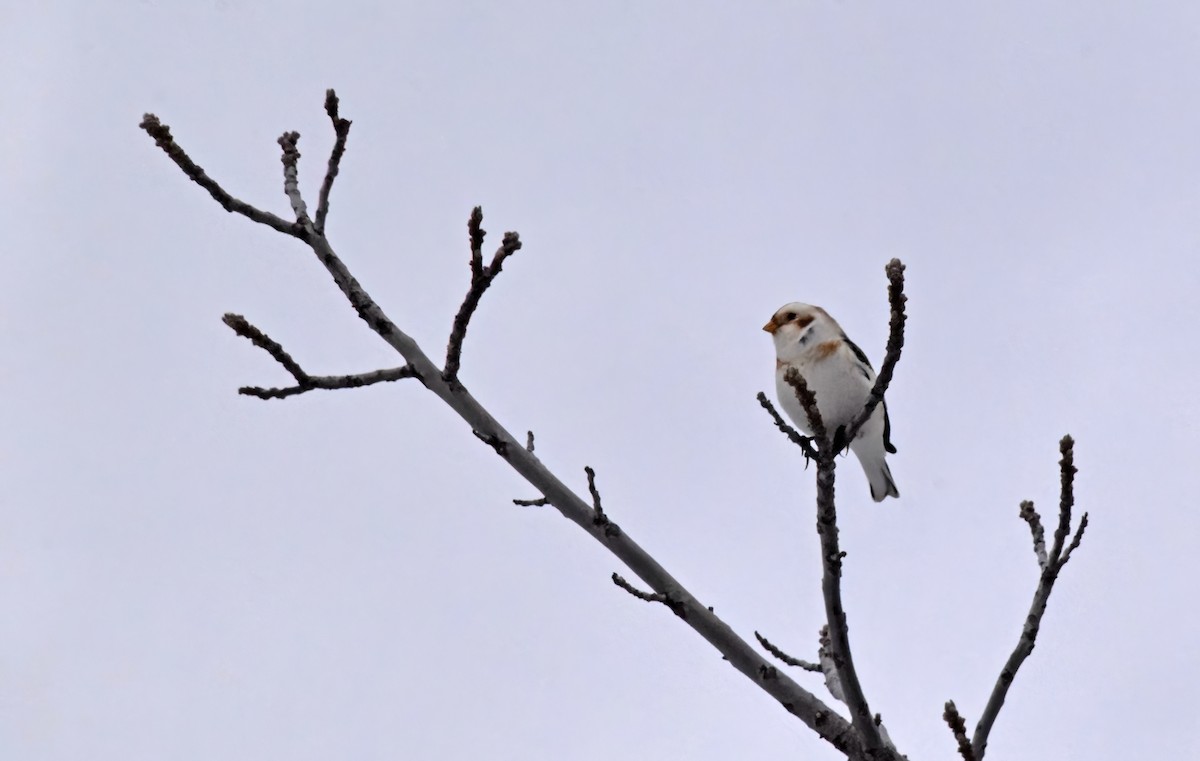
789, 316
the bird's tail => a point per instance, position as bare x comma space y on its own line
880, 476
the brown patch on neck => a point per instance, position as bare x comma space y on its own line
827, 349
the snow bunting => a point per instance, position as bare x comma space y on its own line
841, 377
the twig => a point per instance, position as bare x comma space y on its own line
1075, 540
808, 402
676, 607
531, 502
610, 528
789, 660
959, 728
304, 381
331, 383
804, 442
1030, 516
1066, 500
341, 129
245, 329
529, 442
291, 176
740, 654
164, 140
895, 344
481, 277
1055, 561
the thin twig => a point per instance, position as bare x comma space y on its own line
959, 728
1075, 540
304, 381
789, 660
808, 402
676, 607
895, 344
245, 329
290, 159
1055, 561
804, 442
1066, 499
332, 383
1030, 516
531, 502
481, 277
341, 129
529, 442
164, 140
610, 528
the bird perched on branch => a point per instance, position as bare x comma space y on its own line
841, 377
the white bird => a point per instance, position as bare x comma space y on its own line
841, 377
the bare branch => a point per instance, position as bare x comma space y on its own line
804, 442
835, 612
808, 402
531, 502
331, 383
245, 329
959, 728
304, 381
1066, 501
610, 529
291, 176
676, 607
1030, 516
341, 130
481, 277
1075, 540
164, 140
737, 652
1055, 561
789, 660
895, 344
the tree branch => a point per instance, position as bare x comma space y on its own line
163, 139
740, 654
959, 729
304, 381
804, 442
341, 130
789, 660
1053, 564
895, 344
291, 177
481, 277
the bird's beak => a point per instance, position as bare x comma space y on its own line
771, 326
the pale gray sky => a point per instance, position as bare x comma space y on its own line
188, 574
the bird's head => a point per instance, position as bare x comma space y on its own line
796, 327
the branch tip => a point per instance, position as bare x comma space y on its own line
789, 660
959, 729
341, 130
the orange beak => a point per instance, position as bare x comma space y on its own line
771, 326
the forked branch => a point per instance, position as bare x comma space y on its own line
841, 675
444, 384
1051, 565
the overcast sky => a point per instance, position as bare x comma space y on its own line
188, 574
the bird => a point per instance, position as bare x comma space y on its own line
839, 374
